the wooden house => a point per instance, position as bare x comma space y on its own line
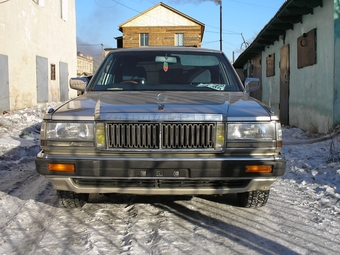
161, 25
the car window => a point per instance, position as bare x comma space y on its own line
165, 70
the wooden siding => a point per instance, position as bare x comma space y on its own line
162, 36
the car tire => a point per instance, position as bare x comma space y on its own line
253, 199
69, 199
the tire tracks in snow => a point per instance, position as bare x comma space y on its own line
26, 193
9, 216
12, 183
22, 181
133, 224
143, 223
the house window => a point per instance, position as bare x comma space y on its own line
53, 72
40, 2
64, 9
306, 49
179, 39
144, 40
270, 68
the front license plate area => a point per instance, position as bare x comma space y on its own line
159, 173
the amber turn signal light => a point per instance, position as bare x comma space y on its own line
259, 169
69, 168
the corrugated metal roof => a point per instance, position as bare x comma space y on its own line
290, 13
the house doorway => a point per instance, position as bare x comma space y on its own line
63, 79
256, 69
4, 83
42, 79
284, 85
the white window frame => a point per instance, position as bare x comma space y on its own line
144, 39
64, 9
179, 39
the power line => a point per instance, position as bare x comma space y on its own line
125, 6
226, 32
4, 1
205, 43
139, 2
213, 32
151, 2
104, 6
233, 32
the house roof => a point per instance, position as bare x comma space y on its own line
167, 7
290, 13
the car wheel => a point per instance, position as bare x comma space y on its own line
69, 199
253, 199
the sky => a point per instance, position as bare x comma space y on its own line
98, 21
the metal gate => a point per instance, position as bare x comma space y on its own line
63, 79
42, 79
4, 83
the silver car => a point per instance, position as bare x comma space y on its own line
162, 121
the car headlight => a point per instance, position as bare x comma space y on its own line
66, 134
245, 131
69, 131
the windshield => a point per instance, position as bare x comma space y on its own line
165, 70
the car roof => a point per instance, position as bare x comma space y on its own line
165, 48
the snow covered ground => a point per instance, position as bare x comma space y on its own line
302, 215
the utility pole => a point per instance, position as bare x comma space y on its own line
221, 26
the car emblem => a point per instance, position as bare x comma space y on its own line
161, 98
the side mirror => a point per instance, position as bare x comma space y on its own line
79, 84
252, 84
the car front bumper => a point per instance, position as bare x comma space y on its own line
160, 175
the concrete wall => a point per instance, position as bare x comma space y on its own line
311, 88
28, 30
337, 61
311, 102
271, 85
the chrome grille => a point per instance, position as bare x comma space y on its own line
133, 136
168, 136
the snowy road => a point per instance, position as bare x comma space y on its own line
302, 215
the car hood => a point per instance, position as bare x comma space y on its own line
235, 106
